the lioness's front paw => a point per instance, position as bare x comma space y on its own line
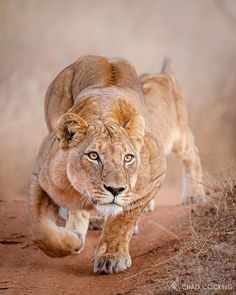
111, 263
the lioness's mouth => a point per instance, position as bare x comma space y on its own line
111, 203
106, 204
96, 202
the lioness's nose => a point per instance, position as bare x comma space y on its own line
114, 190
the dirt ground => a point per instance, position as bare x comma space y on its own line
40, 38
179, 250
26, 270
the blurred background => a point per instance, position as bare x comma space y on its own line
39, 38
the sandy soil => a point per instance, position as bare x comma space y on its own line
26, 270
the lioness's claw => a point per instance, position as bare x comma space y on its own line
111, 263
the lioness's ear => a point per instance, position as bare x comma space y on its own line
136, 130
70, 130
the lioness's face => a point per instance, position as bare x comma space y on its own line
104, 167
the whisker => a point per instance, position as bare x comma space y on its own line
84, 200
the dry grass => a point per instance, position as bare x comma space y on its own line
205, 262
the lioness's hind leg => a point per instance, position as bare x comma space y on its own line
187, 152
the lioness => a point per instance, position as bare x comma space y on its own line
109, 134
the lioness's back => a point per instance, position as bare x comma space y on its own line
86, 73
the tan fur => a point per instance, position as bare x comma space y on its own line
100, 105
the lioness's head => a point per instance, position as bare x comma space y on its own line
103, 158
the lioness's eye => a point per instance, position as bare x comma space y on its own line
128, 158
93, 156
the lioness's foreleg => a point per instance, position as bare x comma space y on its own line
95, 222
112, 254
54, 240
187, 152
